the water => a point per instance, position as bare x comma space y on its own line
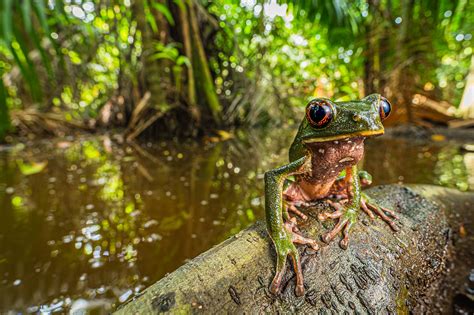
89, 223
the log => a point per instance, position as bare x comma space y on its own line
381, 271
427, 109
461, 123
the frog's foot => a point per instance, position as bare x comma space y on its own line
284, 245
292, 208
347, 216
294, 195
370, 207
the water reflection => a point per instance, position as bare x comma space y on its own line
91, 223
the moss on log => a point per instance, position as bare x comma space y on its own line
380, 272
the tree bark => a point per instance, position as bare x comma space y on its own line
202, 73
381, 271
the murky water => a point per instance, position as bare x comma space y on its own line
86, 222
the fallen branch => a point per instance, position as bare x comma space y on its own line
431, 110
461, 123
34, 121
143, 126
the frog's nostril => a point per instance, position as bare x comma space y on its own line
357, 117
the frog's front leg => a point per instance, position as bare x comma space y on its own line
347, 213
284, 234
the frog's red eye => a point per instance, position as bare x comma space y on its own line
385, 108
319, 113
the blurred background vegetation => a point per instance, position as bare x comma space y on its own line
97, 220
185, 67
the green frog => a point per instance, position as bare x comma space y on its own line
323, 163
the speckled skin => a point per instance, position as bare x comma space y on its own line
317, 157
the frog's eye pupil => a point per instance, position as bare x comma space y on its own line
385, 108
319, 114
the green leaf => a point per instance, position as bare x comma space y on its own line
59, 7
183, 60
7, 20
39, 7
180, 4
163, 10
30, 75
166, 52
162, 55
23, 69
19, 62
149, 17
26, 12
61, 18
26, 15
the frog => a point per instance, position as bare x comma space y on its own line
323, 165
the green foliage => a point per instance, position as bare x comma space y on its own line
67, 56
284, 60
344, 18
172, 53
416, 35
266, 58
163, 9
292, 50
25, 27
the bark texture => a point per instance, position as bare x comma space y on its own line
381, 272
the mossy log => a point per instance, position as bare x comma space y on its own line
381, 272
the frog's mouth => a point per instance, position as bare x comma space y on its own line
367, 133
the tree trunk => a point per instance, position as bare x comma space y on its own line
403, 80
188, 52
202, 73
381, 271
